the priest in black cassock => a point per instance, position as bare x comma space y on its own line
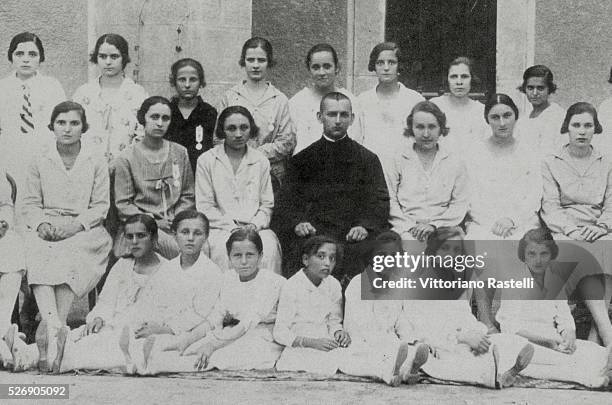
335, 187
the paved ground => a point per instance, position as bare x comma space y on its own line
132, 390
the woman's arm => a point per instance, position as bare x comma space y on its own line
555, 216
261, 219
99, 201
400, 222
125, 189
458, 204
186, 200
205, 193
33, 197
284, 134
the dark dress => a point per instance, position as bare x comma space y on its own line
183, 131
335, 186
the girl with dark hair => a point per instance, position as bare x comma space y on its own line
193, 120
65, 202
154, 176
323, 67
427, 182
577, 203
505, 175
112, 99
139, 295
542, 316
269, 106
386, 106
26, 100
234, 188
464, 115
540, 125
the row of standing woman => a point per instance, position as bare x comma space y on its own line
65, 207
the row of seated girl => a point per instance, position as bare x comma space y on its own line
186, 315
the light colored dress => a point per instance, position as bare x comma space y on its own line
45, 92
543, 133
503, 184
276, 137
466, 124
161, 190
438, 197
436, 323
384, 121
112, 121
548, 318
305, 105
57, 196
128, 299
229, 198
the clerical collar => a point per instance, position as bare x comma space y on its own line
334, 140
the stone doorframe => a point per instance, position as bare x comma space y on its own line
515, 42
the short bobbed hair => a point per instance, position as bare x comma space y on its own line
428, 107
190, 214
181, 63
580, 108
118, 42
147, 220
26, 37
242, 234
500, 98
539, 71
148, 103
67, 106
312, 245
383, 46
540, 236
322, 48
257, 42
235, 109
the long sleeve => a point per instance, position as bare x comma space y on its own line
287, 310
100, 198
375, 207
265, 304
206, 200
187, 199
284, 140
555, 216
33, 198
399, 221
6, 204
106, 304
334, 321
606, 215
125, 190
458, 204
266, 204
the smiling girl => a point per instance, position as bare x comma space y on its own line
323, 66
112, 99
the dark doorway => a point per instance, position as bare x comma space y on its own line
431, 33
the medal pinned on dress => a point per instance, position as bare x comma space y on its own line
199, 137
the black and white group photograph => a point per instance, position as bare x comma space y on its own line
306, 201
